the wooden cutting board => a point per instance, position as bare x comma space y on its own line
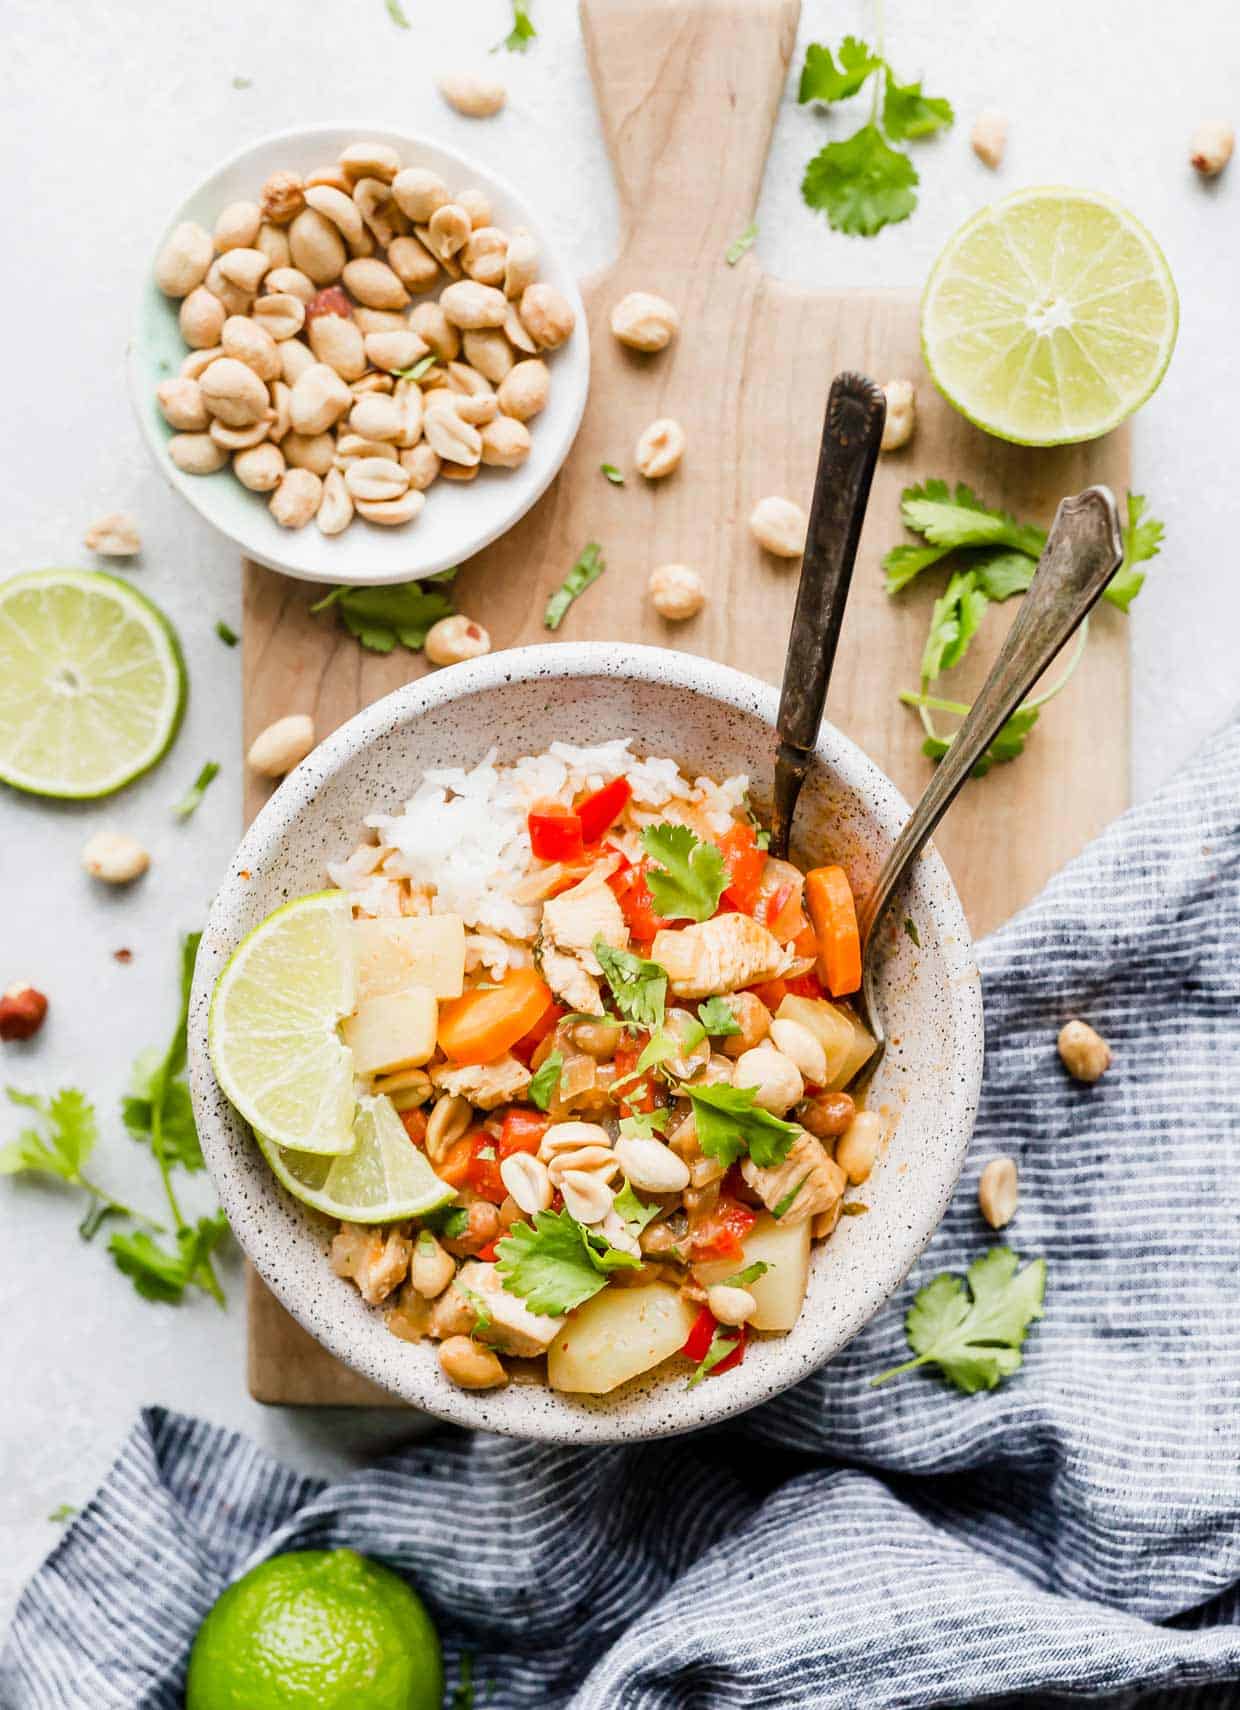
688, 92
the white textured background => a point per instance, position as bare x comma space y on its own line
113, 111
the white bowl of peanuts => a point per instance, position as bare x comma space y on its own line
357, 355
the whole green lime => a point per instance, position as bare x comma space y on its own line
316, 1630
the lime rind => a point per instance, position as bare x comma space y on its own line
131, 685
273, 1029
1049, 317
383, 1179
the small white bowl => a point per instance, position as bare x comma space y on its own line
712, 720
459, 518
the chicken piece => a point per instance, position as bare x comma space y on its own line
410, 1317
485, 1085
377, 1260
451, 1315
513, 1328
814, 1179
716, 956
565, 951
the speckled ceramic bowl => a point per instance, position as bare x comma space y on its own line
460, 517
712, 720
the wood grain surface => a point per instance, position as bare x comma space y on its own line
687, 92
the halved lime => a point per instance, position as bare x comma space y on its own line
92, 683
1049, 317
273, 1028
384, 1178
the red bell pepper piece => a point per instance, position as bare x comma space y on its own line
744, 862
700, 1337
600, 811
488, 1253
769, 908
415, 1125
719, 1235
636, 903
770, 992
555, 833
522, 1131
805, 985
643, 1094
482, 1170
528, 1043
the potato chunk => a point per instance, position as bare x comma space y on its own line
396, 1032
847, 1044
785, 1247
420, 950
617, 1335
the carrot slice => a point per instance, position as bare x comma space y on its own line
482, 1024
829, 898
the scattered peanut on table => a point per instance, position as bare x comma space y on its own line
644, 321
778, 525
659, 448
1211, 147
113, 536
1086, 1054
998, 1191
308, 353
901, 414
989, 138
472, 93
676, 591
284, 744
115, 858
455, 639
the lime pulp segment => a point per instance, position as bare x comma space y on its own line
383, 1179
1049, 317
92, 683
273, 1029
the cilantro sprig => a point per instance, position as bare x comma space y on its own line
639, 987
58, 1143
542, 1088
522, 32
402, 612
864, 183
994, 558
975, 1334
729, 1125
587, 570
556, 1263
718, 1018
690, 876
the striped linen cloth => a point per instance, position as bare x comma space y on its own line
1073, 1534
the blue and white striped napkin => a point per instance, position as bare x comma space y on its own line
1073, 1534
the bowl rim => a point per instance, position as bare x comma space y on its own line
560, 1421
193, 489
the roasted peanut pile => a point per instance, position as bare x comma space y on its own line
321, 364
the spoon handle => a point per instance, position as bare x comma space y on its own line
851, 432
1083, 551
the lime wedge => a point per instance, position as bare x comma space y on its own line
272, 1032
1049, 317
383, 1179
92, 683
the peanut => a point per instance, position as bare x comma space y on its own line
796, 1041
547, 315
235, 300
998, 1192
237, 226
320, 397
116, 535
393, 350
392, 512
196, 453
730, 1305
280, 315
779, 525
520, 262
376, 417
273, 241
454, 639
524, 390
469, 1365
282, 745
489, 353
412, 263
775, 1079
644, 321
238, 439
296, 499
447, 231
375, 479
342, 211
483, 256
375, 285
1211, 147
431, 1269
676, 591
1086, 1054
201, 319
282, 198
244, 268
989, 138
505, 443
901, 414
419, 193
422, 464
436, 331
233, 393
455, 440
184, 260
316, 246
290, 281
370, 160
252, 344
471, 93
476, 205
857, 1149
115, 858
313, 451
340, 343
259, 468
659, 448
335, 511
295, 357
181, 402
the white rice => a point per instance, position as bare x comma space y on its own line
462, 838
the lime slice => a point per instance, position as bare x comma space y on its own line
272, 1032
384, 1178
1049, 317
92, 683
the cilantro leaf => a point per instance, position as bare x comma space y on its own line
401, 612
62, 1513
750, 1274
904, 562
822, 80
522, 32
960, 519
908, 113
1142, 541
722, 1343
861, 185
554, 1265
729, 1124
627, 1205
542, 1088
954, 621
415, 371
639, 987
1007, 745
691, 878
61, 1143
975, 1336
197, 790
910, 930
718, 1018
741, 244
163, 1275
645, 1124
157, 1109
227, 634
1003, 573
396, 14
588, 568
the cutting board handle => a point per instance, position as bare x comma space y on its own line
687, 92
